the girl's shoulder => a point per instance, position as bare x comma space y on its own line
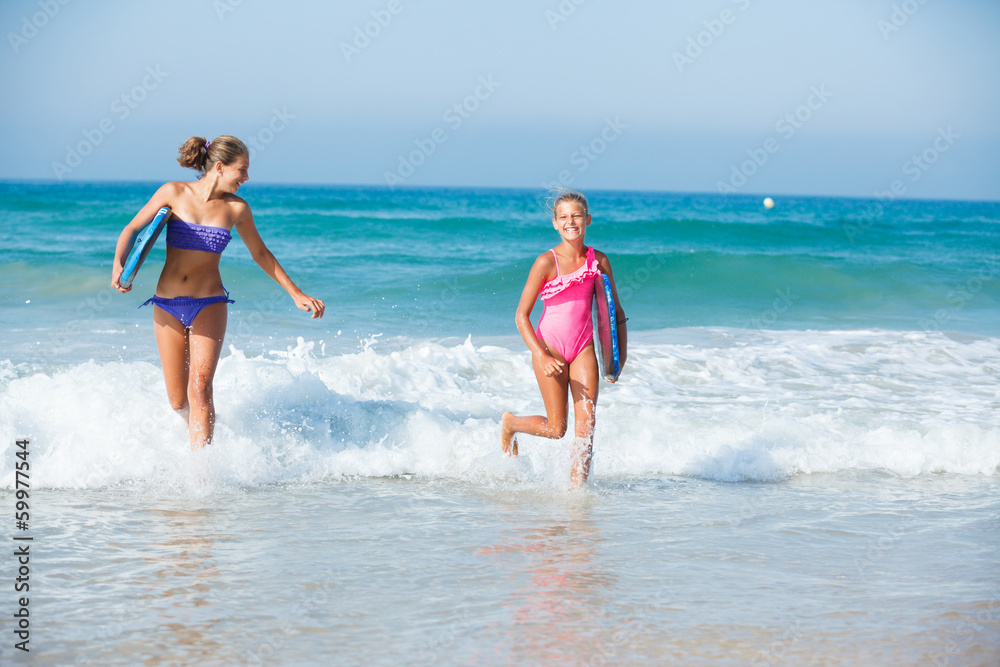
239, 210
235, 201
173, 188
545, 260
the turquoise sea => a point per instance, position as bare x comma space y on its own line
799, 465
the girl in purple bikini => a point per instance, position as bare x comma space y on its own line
190, 310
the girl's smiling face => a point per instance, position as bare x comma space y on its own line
236, 174
571, 220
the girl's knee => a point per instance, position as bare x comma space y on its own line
200, 389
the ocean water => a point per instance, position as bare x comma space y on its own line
798, 466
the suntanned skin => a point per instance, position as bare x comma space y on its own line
191, 356
557, 379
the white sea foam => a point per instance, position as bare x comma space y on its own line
721, 404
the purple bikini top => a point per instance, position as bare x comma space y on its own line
192, 236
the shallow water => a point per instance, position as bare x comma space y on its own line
842, 569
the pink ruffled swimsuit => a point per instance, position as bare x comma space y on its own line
566, 324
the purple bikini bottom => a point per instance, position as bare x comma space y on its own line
186, 308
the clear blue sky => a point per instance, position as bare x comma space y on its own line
782, 96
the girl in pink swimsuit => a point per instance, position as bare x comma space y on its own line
562, 348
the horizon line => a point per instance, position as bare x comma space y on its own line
409, 188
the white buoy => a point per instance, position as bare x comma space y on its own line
768, 202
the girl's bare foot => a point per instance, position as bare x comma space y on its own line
508, 441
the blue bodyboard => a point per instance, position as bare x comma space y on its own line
606, 343
143, 244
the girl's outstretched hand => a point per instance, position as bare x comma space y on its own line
306, 302
551, 366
